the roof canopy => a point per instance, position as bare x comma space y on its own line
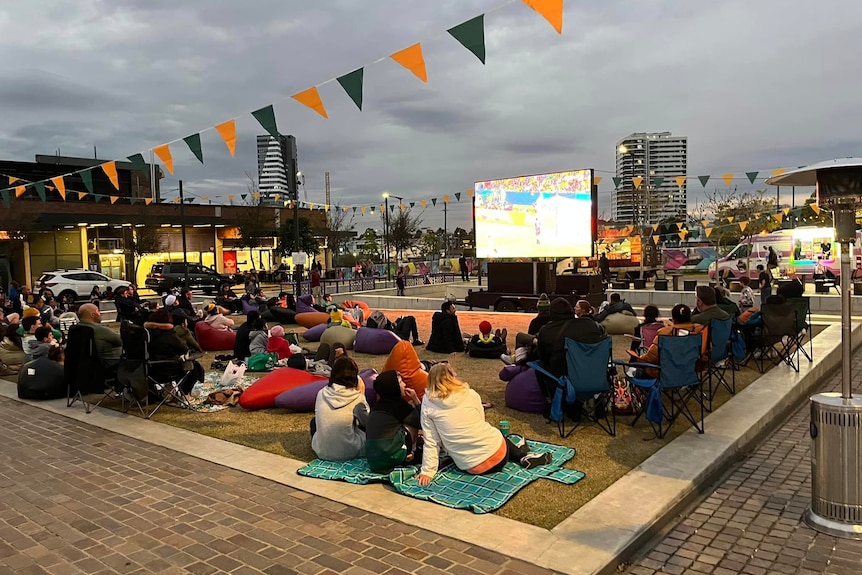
807, 175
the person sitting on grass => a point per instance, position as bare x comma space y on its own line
243, 336
335, 433
181, 327
258, 338
446, 334
616, 305
277, 344
486, 344
336, 317
392, 425
452, 417
41, 343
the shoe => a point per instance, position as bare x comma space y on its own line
517, 440
532, 460
418, 342
503, 334
496, 333
507, 359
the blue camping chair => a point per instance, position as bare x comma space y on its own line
586, 378
678, 382
720, 360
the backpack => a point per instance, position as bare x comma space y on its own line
625, 402
377, 319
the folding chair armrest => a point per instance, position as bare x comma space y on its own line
535, 365
164, 361
636, 364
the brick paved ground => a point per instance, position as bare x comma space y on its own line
78, 499
752, 522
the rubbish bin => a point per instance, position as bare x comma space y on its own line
689, 285
640, 284
836, 465
660, 285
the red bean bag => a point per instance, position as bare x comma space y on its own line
404, 360
211, 339
523, 392
301, 399
374, 341
262, 393
314, 333
311, 318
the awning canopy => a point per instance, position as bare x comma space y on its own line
807, 175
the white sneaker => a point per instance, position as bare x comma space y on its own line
507, 359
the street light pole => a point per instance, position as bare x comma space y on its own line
183, 224
386, 232
297, 272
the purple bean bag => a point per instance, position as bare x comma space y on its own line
314, 333
303, 304
522, 391
375, 341
247, 306
301, 399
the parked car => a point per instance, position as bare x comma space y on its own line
77, 284
167, 275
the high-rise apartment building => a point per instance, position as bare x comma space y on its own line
276, 161
659, 158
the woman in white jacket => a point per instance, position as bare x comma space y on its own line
336, 435
453, 418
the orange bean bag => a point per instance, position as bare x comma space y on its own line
404, 360
211, 339
352, 303
262, 393
311, 318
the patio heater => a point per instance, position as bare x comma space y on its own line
836, 419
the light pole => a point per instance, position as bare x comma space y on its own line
297, 177
386, 196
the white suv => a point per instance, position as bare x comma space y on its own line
77, 284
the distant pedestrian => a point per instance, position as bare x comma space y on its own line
605, 267
399, 281
462, 264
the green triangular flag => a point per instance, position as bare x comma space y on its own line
352, 84
434, 201
412, 204
40, 189
97, 197
266, 118
194, 144
703, 180
751, 176
132, 201
138, 161
458, 196
243, 196
5, 194
354, 209
391, 207
617, 182
87, 176
471, 34
657, 182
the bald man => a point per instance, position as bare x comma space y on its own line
108, 341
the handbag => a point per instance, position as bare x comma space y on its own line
262, 361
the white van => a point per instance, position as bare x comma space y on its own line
798, 250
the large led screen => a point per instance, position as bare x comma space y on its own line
542, 216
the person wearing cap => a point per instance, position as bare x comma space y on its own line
216, 319
486, 344
277, 344
180, 315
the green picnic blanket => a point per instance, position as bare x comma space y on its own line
452, 487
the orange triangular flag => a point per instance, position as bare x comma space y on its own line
20, 190
81, 195
778, 171
597, 180
707, 231
655, 228
779, 216
177, 200
637, 181
164, 154
276, 196
730, 219
551, 10
148, 201
655, 239
61, 186
679, 225
680, 181
311, 98
786, 211
445, 199
110, 170
469, 193
728, 179
757, 216
114, 199
682, 234
227, 131
704, 222
816, 208
12, 180
363, 209
742, 226
412, 59
423, 203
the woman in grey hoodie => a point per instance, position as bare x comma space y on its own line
258, 338
336, 435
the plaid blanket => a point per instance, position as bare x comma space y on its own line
452, 487
211, 383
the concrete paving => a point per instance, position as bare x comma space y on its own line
750, 523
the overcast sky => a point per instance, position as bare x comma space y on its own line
754, 86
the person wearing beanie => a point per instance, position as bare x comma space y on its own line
526, 342
392, 425
216, 319
486, 344
277, 344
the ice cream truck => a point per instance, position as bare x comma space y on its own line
799, 250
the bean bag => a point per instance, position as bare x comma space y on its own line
303, 304
311, 318
314, 333
301, 399
42, 378
352, 303
280, 315
262, 393
404, 360
247, 306
339, 334
620, 323
211, 339
375, 341
523, 392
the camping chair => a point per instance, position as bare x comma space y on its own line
648, 333
777, 341
586, 378
677, 382
803, 325
84, 371
720, 360
136, 367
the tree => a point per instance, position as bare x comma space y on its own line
728, 209
145, 240
429, 245
403, 226
339, 232
369, 247
307, 241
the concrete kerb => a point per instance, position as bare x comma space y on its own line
594, 539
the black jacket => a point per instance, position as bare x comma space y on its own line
242, 341
617, 307
552, 340
538, 323
164, 342
445, 334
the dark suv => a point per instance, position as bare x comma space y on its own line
164, 276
